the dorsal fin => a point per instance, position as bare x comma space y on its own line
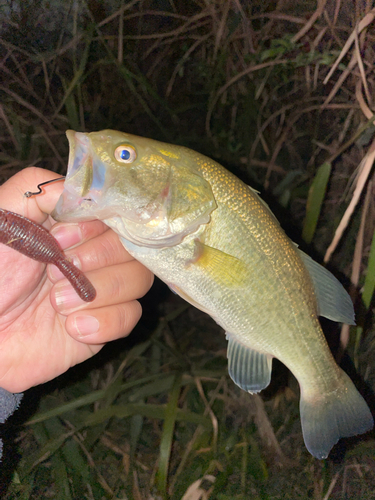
334, 302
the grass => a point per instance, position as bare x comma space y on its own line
280, 95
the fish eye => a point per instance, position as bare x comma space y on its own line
125, 153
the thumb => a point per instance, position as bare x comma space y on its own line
37, 208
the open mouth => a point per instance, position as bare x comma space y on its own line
77, 201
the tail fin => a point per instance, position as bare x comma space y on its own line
331, 416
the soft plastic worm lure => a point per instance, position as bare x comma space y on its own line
33, 240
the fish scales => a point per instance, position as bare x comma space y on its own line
213, 240
264, 232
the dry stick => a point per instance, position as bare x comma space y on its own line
196, 434
361, 233
357, 259
356, 58
361, 68
346, 126
337, 10
332, 27
249, 45
90, 460
319, 11
172, 33
332, 485
261, 129
220, 31
275, 153
208, 408
279, 16
119, 12
182, 61
365, 168
175, 36
14, 80
319, 37
120, 41
363, 105
28, 106
9, 128
351, 141
360, 26
282, 139
135, 490
340, 81
265, 429
195, 492
234, 80
52, 146
76, 39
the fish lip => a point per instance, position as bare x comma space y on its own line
76, 202
70, 208
79, 148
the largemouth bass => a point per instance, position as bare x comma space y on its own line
213, 240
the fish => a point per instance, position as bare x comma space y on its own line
214, 241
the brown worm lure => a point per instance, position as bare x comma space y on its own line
34, 241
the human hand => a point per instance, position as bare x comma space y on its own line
45, 328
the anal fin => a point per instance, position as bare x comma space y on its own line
249, 369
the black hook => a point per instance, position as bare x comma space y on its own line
28, 194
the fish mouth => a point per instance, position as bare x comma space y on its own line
83, 183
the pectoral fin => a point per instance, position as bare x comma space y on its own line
334, 301
223, 268
249, 369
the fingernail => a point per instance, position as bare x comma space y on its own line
67, 298
86, 325
67, 235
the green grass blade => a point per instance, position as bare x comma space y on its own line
369, 286
33, 459
167, 436
146, 410
368, 291
68, 98
62, 483
315, 200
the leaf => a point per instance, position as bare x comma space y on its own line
369, 286
167, 436
315, 200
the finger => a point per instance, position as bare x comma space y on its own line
36, 207
114, 285
102, 251
72, 234
99, 326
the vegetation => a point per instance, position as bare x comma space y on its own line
279, 92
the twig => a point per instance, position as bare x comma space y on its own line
319, 11
365, 169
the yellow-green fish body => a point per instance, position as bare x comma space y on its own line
213, 240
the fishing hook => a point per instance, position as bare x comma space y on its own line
28, 194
